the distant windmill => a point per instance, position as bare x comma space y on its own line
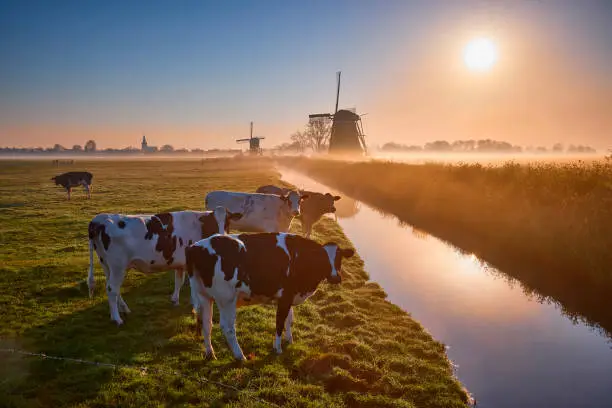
347, 131
253, 142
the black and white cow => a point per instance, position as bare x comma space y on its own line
74, 179
260, 212
148, 243
311, 209
257, 268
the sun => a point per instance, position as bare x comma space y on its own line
480, 54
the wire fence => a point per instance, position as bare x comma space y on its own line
142, 369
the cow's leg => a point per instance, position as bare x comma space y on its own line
282, 312
122, 305
206, 315
69, 190
308, 230
288, 323
113, 288
87, 189
179, 280
306, 227
203, 310
227, 315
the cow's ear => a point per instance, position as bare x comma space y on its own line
336, 198
303, 197
234, 216
347, 252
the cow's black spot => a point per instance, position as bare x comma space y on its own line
190, 242
121, 224
209, 225
106, 239
95, 246
238, 284
93, 229
311, 265
201, 263
101, 260
152, 262
154, 226
162, 225
169, 262
264, 268
109, 289
96, 229
230, 252
166, 220
181, 242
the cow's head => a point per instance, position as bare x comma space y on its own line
335, 255
218, 221
293, 200
318, 204
55, 179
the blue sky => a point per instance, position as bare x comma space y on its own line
194, 73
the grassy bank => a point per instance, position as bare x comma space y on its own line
352, 347
547, 225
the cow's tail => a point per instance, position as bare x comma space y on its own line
91, 283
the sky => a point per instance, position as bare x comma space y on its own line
195, 73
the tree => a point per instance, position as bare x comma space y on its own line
557, 147
300, 140
167, 148
58, 148
438, 146
90, 146
77, 148
317, 133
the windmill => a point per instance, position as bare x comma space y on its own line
253, 142
346, 131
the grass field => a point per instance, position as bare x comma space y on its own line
352, 347
546, 224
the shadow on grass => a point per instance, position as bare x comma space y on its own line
89, 334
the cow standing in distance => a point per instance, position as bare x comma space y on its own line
148, 243
312, 209
245, 269
74, 179
260, 212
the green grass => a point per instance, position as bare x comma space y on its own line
546, 224
352, 347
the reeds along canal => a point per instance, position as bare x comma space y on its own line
511, 349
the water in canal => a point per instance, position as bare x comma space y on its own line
510, 349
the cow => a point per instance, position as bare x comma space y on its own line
148, 243
312, 209
74, 179
245, 269
260, 212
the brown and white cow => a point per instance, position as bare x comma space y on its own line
148, 243
311, 209
257, 268
74, 179
260, 212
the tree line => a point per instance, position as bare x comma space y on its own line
91, 147
483, 145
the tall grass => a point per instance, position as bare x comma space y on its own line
547, 224
352, 347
